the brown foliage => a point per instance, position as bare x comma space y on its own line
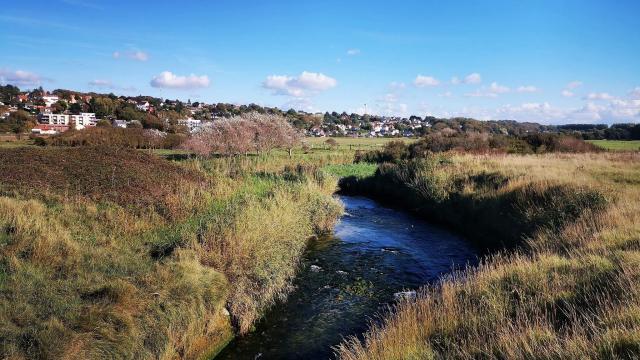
122, 176
243, 134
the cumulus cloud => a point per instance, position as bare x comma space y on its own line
480, 93
598, 96
498, 89
169, 80
635, 93
299, 86
527, 89
567, 93
19, 77
353, 52
131, 55
491, 91
423, 81
473, 78
100, 83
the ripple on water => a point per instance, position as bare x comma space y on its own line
350, 277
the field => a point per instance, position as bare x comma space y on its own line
355, 143
618, 145
116, 253
568, 285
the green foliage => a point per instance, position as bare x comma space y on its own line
17, 122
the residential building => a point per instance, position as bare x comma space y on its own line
143, 106
119, 123
54, 119
191, 124
83, 120
49, 129
50, 100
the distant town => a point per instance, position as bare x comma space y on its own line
44, 113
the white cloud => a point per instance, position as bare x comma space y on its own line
492, 91
422, 81
527, 89
479, 93
598, 96
473, 78
19, 77
446, 94
299, 86
498, 89
635, 93
167, 79
455, 80
132, 55
574, 84
303, 104
352, 52
567, 93
100, 83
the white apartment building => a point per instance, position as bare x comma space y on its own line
83, 120
54, 119
50, 100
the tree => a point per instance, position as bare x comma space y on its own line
103, 106
18, 122
241, 134
103, 123
59, 106
75, 108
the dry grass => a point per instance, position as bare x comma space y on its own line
572, 293
86, 274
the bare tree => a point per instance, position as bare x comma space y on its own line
244, 133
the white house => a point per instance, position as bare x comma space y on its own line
191, 124
54, 119
143, 106
50, 100
119, 123
84, 120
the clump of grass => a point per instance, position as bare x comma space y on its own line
84, 273
570, 292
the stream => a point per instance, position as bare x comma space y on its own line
348, 278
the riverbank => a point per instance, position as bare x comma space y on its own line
347, 277
566, 288
114, 253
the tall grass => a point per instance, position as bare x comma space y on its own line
568, 291
84, 275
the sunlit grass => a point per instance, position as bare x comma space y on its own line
617, 145
571, 291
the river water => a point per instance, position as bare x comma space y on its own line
350, 277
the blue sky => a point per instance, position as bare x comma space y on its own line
545, 61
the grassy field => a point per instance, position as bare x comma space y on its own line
617, 145
354, 143
567, 288
112, 253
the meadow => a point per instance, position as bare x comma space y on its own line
349, 143
617, 145
122, 253
117, 253
566, 283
